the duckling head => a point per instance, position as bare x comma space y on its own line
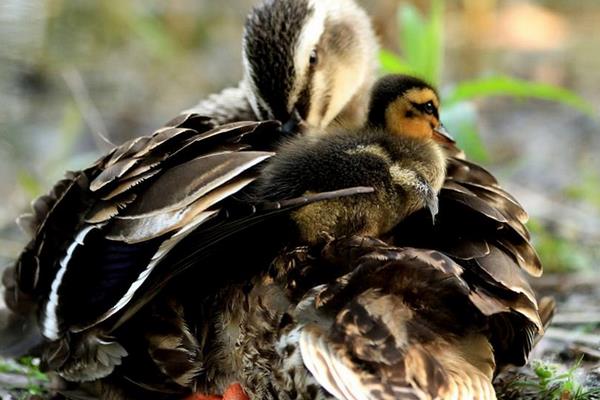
397, 153
407, 106
309, 62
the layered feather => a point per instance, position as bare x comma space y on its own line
434, 311
481, 227
99, 234
397, 323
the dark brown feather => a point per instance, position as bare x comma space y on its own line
122, 192
398, 323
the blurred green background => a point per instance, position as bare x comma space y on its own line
72, 71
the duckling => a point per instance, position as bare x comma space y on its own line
304, 62
398, 153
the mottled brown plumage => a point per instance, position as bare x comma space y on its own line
372, 320
101, 232
433, 311
398, 324
119, 220
109, 238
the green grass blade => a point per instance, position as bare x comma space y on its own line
413, 38
392, 63
505, 86
422, 40
434, 42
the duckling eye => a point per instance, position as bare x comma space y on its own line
429, 108
314, 58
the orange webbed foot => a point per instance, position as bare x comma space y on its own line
235, 392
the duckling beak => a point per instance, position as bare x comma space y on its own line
294, 124
441, 135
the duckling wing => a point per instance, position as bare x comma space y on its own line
404, 325
99, 234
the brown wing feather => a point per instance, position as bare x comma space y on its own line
498, 269
171, 344
167, 171
481, 226
403, 327
463, 170
467, 181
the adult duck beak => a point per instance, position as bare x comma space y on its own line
293, 125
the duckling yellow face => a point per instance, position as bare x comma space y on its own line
414, 113
407, 106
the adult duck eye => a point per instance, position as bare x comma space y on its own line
314, 58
